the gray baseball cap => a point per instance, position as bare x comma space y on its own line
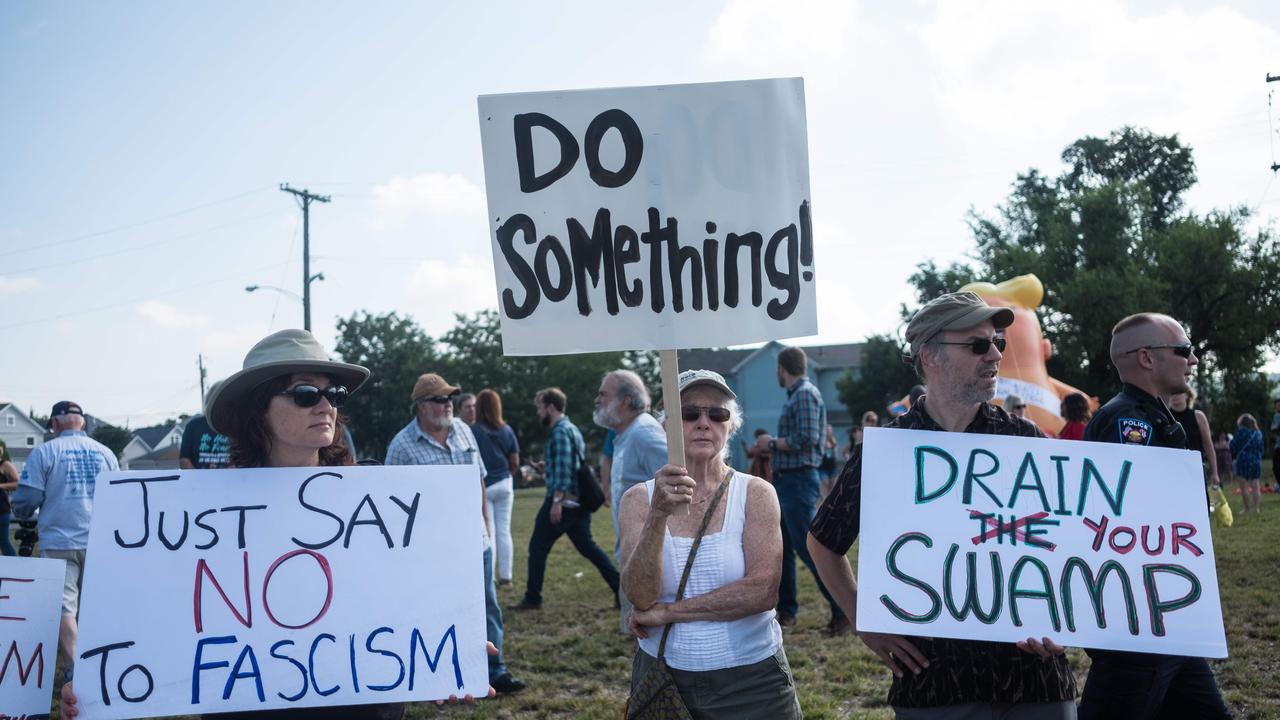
691, 378
953, 311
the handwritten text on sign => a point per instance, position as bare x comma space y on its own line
992, 537
30, 609
681, 210
218, 590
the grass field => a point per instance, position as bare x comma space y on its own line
578, 666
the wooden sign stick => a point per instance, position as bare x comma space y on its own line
671, 403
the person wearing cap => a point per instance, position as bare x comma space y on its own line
956, 343
1154, 359
721, 641
58, 479
797, 457
560, 513
201, 447
639, 449
435, 437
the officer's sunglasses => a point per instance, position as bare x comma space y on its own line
309, 395
691, 413
1182, 350
980, 346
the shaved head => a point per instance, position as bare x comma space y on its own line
1141, 353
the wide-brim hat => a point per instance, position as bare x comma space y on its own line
282, 353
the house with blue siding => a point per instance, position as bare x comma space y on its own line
754, 378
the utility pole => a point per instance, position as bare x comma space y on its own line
203, 373
305, 198
1274, 165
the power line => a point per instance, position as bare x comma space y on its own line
130, 226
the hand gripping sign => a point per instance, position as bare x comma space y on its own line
990, 537
30, 606
218, 590
650, 218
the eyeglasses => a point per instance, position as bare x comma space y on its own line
691, 413
980, 346
1182, 350
438, 399
309, 395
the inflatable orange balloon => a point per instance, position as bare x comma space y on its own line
1023, 372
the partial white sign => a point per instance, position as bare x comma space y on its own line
650, 217
218, 590
991, 537
30, 610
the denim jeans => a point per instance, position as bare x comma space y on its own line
6, 546
576, 523
798, 491
492, 618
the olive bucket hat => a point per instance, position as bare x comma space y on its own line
282, 353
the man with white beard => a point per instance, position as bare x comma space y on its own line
639, 449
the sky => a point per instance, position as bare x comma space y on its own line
143, 145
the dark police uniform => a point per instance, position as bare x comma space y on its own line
1145, 685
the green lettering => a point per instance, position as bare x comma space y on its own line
935, 603
1045, 593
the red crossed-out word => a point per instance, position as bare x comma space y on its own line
1016, 527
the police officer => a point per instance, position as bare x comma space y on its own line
1154, 359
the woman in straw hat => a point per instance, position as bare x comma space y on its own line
281, 410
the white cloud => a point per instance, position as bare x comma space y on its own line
761, 33
438, 194
168, 317
17, 285
439, 288
1037, 69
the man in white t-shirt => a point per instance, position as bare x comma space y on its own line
639, 449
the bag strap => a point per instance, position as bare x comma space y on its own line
688, 564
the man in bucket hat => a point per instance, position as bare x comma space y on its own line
58, 479
956, 344
435, 437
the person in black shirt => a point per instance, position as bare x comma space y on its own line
956, 343
1154, 359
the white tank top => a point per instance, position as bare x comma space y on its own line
707, 644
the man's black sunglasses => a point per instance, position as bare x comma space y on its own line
691, 413
1182, 350
309, 395
980, 346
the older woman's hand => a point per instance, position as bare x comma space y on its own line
672, 488
639, 621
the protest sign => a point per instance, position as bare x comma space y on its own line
650, 218
218, 590
993, 537
30, 610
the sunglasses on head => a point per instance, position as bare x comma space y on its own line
1182, 350
309, 395
980, 346
691, 413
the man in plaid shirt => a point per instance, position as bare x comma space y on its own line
797, 453
560, 514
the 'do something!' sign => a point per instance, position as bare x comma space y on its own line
217, 590
681, 211
990, 537
30, 610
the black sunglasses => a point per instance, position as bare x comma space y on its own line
980, 346
1182, 350
309, 395
438, 399
691, 413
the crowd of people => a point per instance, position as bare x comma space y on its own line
704, 568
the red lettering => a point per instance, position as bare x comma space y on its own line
1146, 547
328, 577
1181, 534
1123, 549
202, 569
37, 658
1099, 529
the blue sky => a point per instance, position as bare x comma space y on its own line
144, 141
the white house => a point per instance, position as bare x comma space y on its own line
149, 448
20, 433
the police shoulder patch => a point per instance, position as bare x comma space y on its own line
1134, 431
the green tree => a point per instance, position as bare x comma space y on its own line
396, 351
880, 379
113, 437
1108, 238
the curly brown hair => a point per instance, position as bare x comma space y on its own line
250, 440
